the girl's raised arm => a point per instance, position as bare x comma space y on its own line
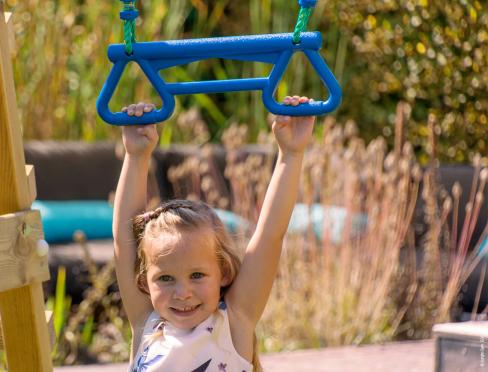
249, 293
130, 200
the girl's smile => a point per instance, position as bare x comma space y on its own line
186, 311
183, 277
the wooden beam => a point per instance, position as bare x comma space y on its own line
50, 328
14, 188
10, 32
31, 181
25, 334
21, 263
24, 328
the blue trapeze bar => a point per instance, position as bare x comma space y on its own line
276, 49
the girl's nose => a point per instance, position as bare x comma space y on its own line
182, 291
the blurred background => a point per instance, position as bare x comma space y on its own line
391, 221
428, 53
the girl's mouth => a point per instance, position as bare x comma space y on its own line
185, 311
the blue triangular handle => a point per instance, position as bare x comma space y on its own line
312, 108
121, 118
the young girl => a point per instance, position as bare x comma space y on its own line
191, 304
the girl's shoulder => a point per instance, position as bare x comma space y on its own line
145, 330
241, 331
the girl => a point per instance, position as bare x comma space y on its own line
191, 305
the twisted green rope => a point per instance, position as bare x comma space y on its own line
302, 23
129, 29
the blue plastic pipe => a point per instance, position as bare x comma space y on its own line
276, 49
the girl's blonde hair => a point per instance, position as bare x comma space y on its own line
184, 215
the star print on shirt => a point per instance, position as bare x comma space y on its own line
142, 365
203, 367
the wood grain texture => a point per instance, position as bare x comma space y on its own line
50, 328
20, 263
25, 334
14, 189
10, 32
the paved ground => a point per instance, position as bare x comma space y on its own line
415, 356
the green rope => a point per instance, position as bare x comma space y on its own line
301, 25
129, 28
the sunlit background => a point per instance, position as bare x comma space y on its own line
414, 75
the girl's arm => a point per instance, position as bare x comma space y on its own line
130, 200
249, 293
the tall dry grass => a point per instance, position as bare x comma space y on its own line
379, 283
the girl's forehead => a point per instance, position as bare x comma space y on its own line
192, 245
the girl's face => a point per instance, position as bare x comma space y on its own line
184, 277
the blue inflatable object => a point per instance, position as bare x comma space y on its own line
60, 219
233, 222
332, 219
276, 49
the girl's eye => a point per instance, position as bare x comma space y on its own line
165, 278
197, 275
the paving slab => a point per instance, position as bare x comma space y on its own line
411, 356
418, 356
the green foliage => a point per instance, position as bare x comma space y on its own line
3, 360
60, 305
429, 53
94, 330
87, 332
61, 302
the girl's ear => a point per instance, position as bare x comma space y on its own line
142, 284
226, 277
225, 281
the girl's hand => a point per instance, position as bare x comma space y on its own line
293, 133
139, 140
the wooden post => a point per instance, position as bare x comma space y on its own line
10, 31
22, 266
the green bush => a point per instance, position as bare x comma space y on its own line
430, 53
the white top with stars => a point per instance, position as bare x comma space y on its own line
206, 348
